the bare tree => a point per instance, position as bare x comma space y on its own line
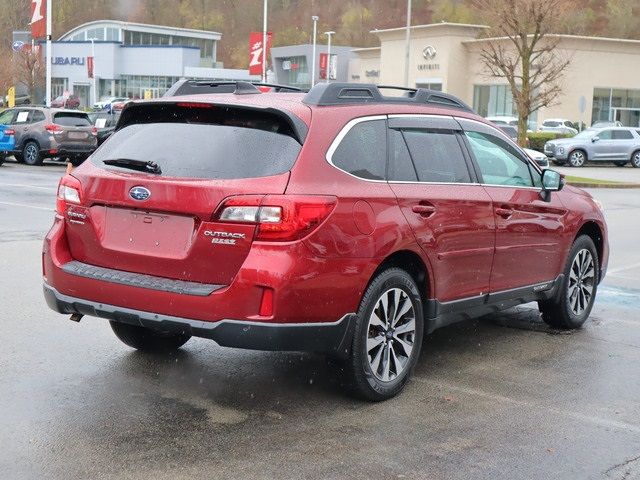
524, 51
29, 69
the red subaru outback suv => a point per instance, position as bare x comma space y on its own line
341, 221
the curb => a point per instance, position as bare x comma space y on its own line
604, 185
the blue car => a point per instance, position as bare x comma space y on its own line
7, 141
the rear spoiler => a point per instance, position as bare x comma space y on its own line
134, 113
201, 87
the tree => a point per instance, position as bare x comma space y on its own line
524, 50
29, 70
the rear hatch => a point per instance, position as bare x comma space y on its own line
162, 223
73, 128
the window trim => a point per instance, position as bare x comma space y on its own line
349, 125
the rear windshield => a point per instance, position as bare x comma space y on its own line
202, 150
72, 119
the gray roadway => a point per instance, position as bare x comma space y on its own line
499, 398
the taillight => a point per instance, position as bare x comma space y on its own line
9, 131
280, 218
69, 191
53, 128
94, 131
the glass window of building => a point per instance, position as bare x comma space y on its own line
296, 71
612, 104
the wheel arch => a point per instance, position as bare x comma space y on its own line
578, 149
593, 231
413, 264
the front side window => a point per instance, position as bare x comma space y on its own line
6, 117
437, 156
363, 150
605, 135
498, 161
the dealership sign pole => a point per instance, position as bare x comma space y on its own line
264, 42
41, 27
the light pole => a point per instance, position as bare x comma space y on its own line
93, 69
328, 34
48, 55
406, 45
315, 19
264, 41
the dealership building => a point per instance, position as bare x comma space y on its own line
600, 83
133, 59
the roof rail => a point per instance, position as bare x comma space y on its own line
197, 87
354, 93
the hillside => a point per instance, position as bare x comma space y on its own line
290, 20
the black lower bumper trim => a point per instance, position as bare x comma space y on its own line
334, 338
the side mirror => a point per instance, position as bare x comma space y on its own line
595, 139
552, 181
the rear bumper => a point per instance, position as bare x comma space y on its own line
334, 337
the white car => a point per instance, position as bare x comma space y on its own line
540, 158
558, 125
105, 102
503, 120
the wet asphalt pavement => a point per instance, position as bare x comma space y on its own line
504, 397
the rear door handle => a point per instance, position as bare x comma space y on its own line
424, 210
504, 212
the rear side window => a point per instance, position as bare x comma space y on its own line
208, 151
37, 116
437, 156
6, 117
401, 167
363, 150
71, 119
622, 135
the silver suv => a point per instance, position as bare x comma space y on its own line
42, 132
619, 145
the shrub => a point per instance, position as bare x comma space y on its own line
538, 139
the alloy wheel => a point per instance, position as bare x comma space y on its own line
581, 282
391, 334
31, 154
635, 161
577, 159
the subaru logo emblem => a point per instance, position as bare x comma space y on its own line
139, 193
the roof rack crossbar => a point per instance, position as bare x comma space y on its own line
195, 87
324, 94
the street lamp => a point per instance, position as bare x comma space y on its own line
93, 72
328, 34
315, 19
264, 42
406, 45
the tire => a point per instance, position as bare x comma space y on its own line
620, 164
572, 305
369, 376
577, 158
31, 154
147, 340
635, 159
3, 157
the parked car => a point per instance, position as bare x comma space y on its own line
105, 122
105, 103
70, 102
603, 124
511, 132
619, 145
503, 120
540, 158
558, 125
339, 221
41, 132
19, 100
7, 139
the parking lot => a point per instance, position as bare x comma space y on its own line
504, 397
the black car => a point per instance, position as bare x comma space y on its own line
105, 122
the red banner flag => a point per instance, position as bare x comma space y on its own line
90, 67
38, 18
257, 53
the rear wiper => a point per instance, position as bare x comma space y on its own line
140, 165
